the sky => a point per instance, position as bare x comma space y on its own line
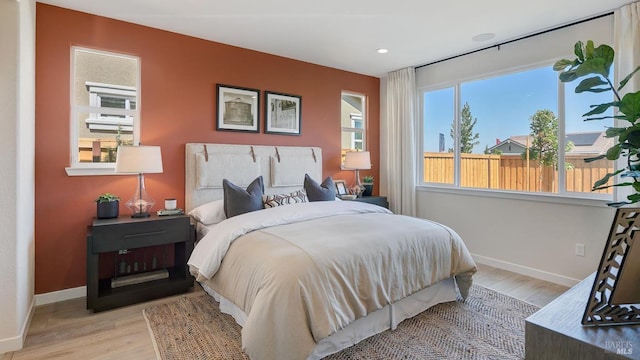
504, 104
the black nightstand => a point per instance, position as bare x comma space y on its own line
133, 260
376, 200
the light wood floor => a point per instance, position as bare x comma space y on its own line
66, 330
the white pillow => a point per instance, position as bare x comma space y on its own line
209, 213
269, 201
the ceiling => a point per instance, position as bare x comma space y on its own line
345, 34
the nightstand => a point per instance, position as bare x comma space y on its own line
376, 200
133, 260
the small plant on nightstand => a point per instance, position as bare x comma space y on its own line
108, 206
367, 182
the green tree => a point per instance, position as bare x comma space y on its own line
491, 152
467, 138
544, 144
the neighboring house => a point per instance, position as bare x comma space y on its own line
591, 143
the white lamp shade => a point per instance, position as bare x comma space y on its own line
360, 160
139, 159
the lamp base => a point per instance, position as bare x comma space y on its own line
140, 215
140, 203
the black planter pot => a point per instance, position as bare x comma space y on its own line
108, 210
368, 190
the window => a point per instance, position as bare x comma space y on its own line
104, 109
353, 122
110, 96
521, 131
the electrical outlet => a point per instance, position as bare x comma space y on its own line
579, 249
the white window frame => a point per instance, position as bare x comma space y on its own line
96, 118
563, 196
357, 117
529, 52
356, 130
99, 121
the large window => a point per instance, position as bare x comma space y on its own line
104, 108
520, 131
353, 122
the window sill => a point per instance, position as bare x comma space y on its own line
93, 170
596, 200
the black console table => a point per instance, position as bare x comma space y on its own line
376, 200
132, 260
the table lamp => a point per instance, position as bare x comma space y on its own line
357, 160
139, 160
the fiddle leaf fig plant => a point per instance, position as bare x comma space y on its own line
594, 63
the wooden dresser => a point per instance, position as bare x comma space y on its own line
556, 331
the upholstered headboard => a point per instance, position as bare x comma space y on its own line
282, 168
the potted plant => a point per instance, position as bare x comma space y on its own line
367, 182
108, 206
595, 62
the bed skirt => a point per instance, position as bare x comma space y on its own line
380, 320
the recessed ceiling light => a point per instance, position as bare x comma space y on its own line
483, 37
382, 51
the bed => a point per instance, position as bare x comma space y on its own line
305, 280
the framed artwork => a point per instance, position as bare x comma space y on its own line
237, 109
282, 113
341, 187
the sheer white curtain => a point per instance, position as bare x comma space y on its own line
400, 135
626, 40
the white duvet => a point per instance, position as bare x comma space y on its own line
302, 272
208, 253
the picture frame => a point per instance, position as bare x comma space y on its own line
283, 113
237, 109
615, 295
341, 187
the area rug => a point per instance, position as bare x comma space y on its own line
487, 325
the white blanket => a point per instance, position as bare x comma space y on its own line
208, 253
302, 272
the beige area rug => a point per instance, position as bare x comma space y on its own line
488, 325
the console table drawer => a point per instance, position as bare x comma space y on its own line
139, 234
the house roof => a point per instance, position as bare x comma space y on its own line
593, 143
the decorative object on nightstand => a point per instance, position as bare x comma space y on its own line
139, 160
160, 246
167, 212
170, 204
367, 182
107, 206
170, 208
357, 160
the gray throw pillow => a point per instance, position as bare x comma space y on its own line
239, 201
320, 192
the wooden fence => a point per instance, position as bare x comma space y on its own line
511, 172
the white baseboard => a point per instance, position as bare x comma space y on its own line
15, 343
523, 270
61, 295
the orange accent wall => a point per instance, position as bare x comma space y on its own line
179, 77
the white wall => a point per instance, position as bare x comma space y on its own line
17, 101
521, 234
530, 237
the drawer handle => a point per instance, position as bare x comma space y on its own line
145, 234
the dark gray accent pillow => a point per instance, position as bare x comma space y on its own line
239, 201
320, 192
